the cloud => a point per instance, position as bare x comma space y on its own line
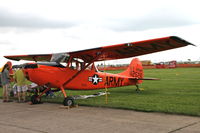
5, 42
8, 19
160, 18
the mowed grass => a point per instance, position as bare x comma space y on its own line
178, 92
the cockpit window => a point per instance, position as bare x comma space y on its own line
77, 64
64, 60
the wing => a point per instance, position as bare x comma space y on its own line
131, 49
118, 51
36, 57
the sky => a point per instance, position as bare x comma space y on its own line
53, 26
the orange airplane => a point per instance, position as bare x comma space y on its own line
76, 70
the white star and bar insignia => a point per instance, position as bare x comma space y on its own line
95, 79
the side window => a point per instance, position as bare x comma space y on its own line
77, 64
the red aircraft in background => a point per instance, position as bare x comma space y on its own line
76, 70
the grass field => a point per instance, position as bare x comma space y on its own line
178, 92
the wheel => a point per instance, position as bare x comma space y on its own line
35, 100
11, 94
137, 88
68, 101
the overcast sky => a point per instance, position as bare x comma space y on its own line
52, 26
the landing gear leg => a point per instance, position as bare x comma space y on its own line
137, 88
68, 101
35, 99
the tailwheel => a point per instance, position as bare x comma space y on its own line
137, 88
35, 99
68, 101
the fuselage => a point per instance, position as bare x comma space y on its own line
88, 79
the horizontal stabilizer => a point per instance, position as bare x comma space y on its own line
144, 78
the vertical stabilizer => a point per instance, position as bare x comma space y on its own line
135, 70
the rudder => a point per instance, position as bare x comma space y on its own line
134, 70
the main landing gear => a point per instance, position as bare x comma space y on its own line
35, 99
68, 101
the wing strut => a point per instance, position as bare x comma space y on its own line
106, 88
76, 74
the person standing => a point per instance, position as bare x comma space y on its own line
20, 80
5, 79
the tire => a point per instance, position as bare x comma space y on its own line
11, 94
68, 101
34, 99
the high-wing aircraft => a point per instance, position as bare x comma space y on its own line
76, 70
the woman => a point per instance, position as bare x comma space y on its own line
5, 79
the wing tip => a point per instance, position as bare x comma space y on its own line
11, 58
178, 39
